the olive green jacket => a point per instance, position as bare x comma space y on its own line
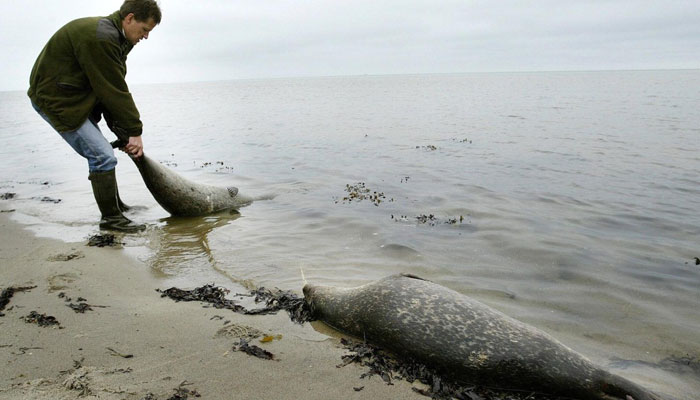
80, 71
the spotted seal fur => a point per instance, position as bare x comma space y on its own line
182, 197
464, 339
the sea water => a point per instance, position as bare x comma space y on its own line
568, 200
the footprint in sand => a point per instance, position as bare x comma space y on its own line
67, 256
61, 281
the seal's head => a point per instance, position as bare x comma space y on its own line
326, 301
310, 296
314, 294
308, 291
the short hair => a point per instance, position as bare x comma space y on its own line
142, 10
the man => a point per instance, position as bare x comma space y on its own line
78, 78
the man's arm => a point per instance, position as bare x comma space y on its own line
103, 66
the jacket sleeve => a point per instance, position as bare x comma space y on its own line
103, 65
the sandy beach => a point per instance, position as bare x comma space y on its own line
134, 344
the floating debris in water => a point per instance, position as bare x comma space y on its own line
453, 221
697, 261
430, 219
423, 219
102, 240
429, 147
220, 166
47, 199
7, 196
359, 192
7, 294
42, 320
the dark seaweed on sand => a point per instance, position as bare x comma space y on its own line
253, 350
80, 307
7, 294
389, 368
274, 301
102, 240
214, 295
181, 393
42, 320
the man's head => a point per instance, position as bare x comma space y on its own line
139, 17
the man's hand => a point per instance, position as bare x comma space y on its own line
134, 147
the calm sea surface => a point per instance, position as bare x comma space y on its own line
570, 201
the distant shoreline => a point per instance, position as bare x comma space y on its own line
140, 84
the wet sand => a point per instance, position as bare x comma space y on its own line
134, 344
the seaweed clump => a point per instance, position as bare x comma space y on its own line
42, 320
214, 295
274, 301
181, 393
253, 350
430, 219
359, 192
101, 240
7, 294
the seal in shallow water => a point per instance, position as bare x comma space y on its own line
181, 197
464, 339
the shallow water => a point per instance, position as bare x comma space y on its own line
567, 200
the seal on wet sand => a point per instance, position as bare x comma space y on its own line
464, 339
181, 197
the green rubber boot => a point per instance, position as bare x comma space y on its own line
123, 206
104, 187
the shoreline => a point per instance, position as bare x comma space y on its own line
134, 344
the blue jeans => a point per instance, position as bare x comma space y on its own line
89, 143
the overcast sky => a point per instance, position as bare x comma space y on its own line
240, 39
